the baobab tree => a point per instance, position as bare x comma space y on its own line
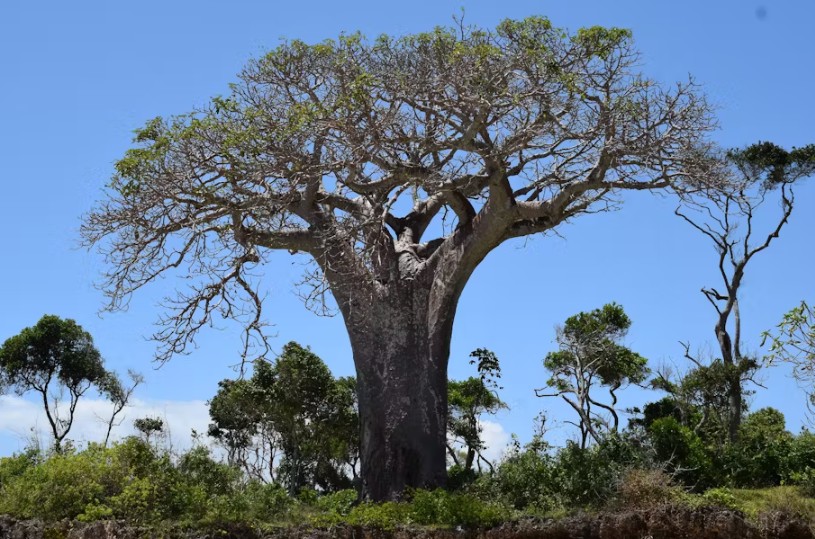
395, 166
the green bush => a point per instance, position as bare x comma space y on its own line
805, 480
268, 502
129, 480
721, 497
59, 487
682, 453
523, 480
459, 477
216, 478
386, 515
801, 455
339, 503
16, 465
445, 508
760, 455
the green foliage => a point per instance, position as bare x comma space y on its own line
800, 457
52, 356
683, 453
591, 354
53, 348
535, 478
773, 164
454, 509
16, 465
697, 400
721, 497
422, 507
759, 456
525, 479
467, 401
600, 41
340, 502
268, 502
148, 426
386, 515
793, 342
293, 405
590, 477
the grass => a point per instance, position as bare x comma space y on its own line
756, 502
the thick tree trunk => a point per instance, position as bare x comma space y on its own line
401, 348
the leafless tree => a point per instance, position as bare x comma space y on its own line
726, 213
396, 166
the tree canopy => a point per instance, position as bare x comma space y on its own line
52, 356
348, 149
291, 422
590, 354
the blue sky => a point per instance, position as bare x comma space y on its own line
79, 77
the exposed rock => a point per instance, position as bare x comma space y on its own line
668, 522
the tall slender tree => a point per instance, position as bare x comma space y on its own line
726, 214
395, 166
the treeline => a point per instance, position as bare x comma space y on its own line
284, 442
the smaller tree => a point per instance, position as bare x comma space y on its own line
111, 386
291, 422
240, 425
468, 400
793, 342
50, 358
727, 214
699, 398
590, 354
149, 426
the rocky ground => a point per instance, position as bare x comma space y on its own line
661, 523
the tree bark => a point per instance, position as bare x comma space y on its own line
401, 346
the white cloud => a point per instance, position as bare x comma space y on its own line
495, 438
22, 419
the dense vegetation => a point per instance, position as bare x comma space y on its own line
283, 450
138, 482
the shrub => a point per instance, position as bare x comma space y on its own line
523, 480
453, 509
801, 455
339, 503
459, 477
198, 468
721, 497
267, 502
642, 489
759, 456
805, 480
60, 487
682, 453
383, 515
16, 465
